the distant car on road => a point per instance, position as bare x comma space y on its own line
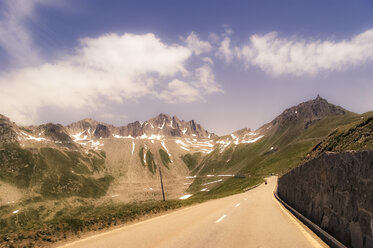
265, 181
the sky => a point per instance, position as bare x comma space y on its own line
226, 64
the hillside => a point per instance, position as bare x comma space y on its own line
92, 159
356, 136
275, 147
51, 173
48, 172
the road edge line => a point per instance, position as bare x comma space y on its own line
323, 235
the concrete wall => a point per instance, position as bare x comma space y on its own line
335, 191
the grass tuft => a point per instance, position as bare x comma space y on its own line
164, 157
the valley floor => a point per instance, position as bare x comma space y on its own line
251, 219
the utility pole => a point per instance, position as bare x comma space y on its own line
160, 173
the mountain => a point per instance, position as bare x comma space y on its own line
50, 172
161, 125
273, 148
8, 134
308, 112
92, 159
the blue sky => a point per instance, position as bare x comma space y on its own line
226, 64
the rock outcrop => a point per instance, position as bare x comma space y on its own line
7, 133
308, 112
335, 191
162, 124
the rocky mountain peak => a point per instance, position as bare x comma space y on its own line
84, 124
309, 112
161, 125
319, 107
165, 125
242, 132
102, 131
174, 118
163, 116
7, 131
160, 119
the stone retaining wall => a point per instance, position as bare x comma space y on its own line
335, 191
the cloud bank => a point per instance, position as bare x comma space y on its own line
112, 67
280, 56
102, 70
116, 68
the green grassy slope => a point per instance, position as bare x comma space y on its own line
290, 144
286, 142
191, 160
288, 139
141, 155
164, 158
152, 166
356, 136
54, 172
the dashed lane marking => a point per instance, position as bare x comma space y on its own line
221, 218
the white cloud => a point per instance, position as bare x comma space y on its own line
213, 38
207, 60
196, 45
227, 30
180, 92
112, 116
224, 51
15, 38
202, 82
110, 67
279, 56
206, 80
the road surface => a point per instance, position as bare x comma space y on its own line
251, 219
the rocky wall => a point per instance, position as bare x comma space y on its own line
335, 191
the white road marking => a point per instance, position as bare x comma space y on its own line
237, 205
245, 199
221, 218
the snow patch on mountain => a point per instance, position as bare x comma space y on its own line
185, 196
168, 152
162, 126
133, 147
217, 181
252, 140
29, 137
122, 137
77, 137
151, 137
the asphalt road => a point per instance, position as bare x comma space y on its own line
251, 219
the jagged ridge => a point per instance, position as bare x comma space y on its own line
162, 124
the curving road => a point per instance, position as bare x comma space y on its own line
250, 219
